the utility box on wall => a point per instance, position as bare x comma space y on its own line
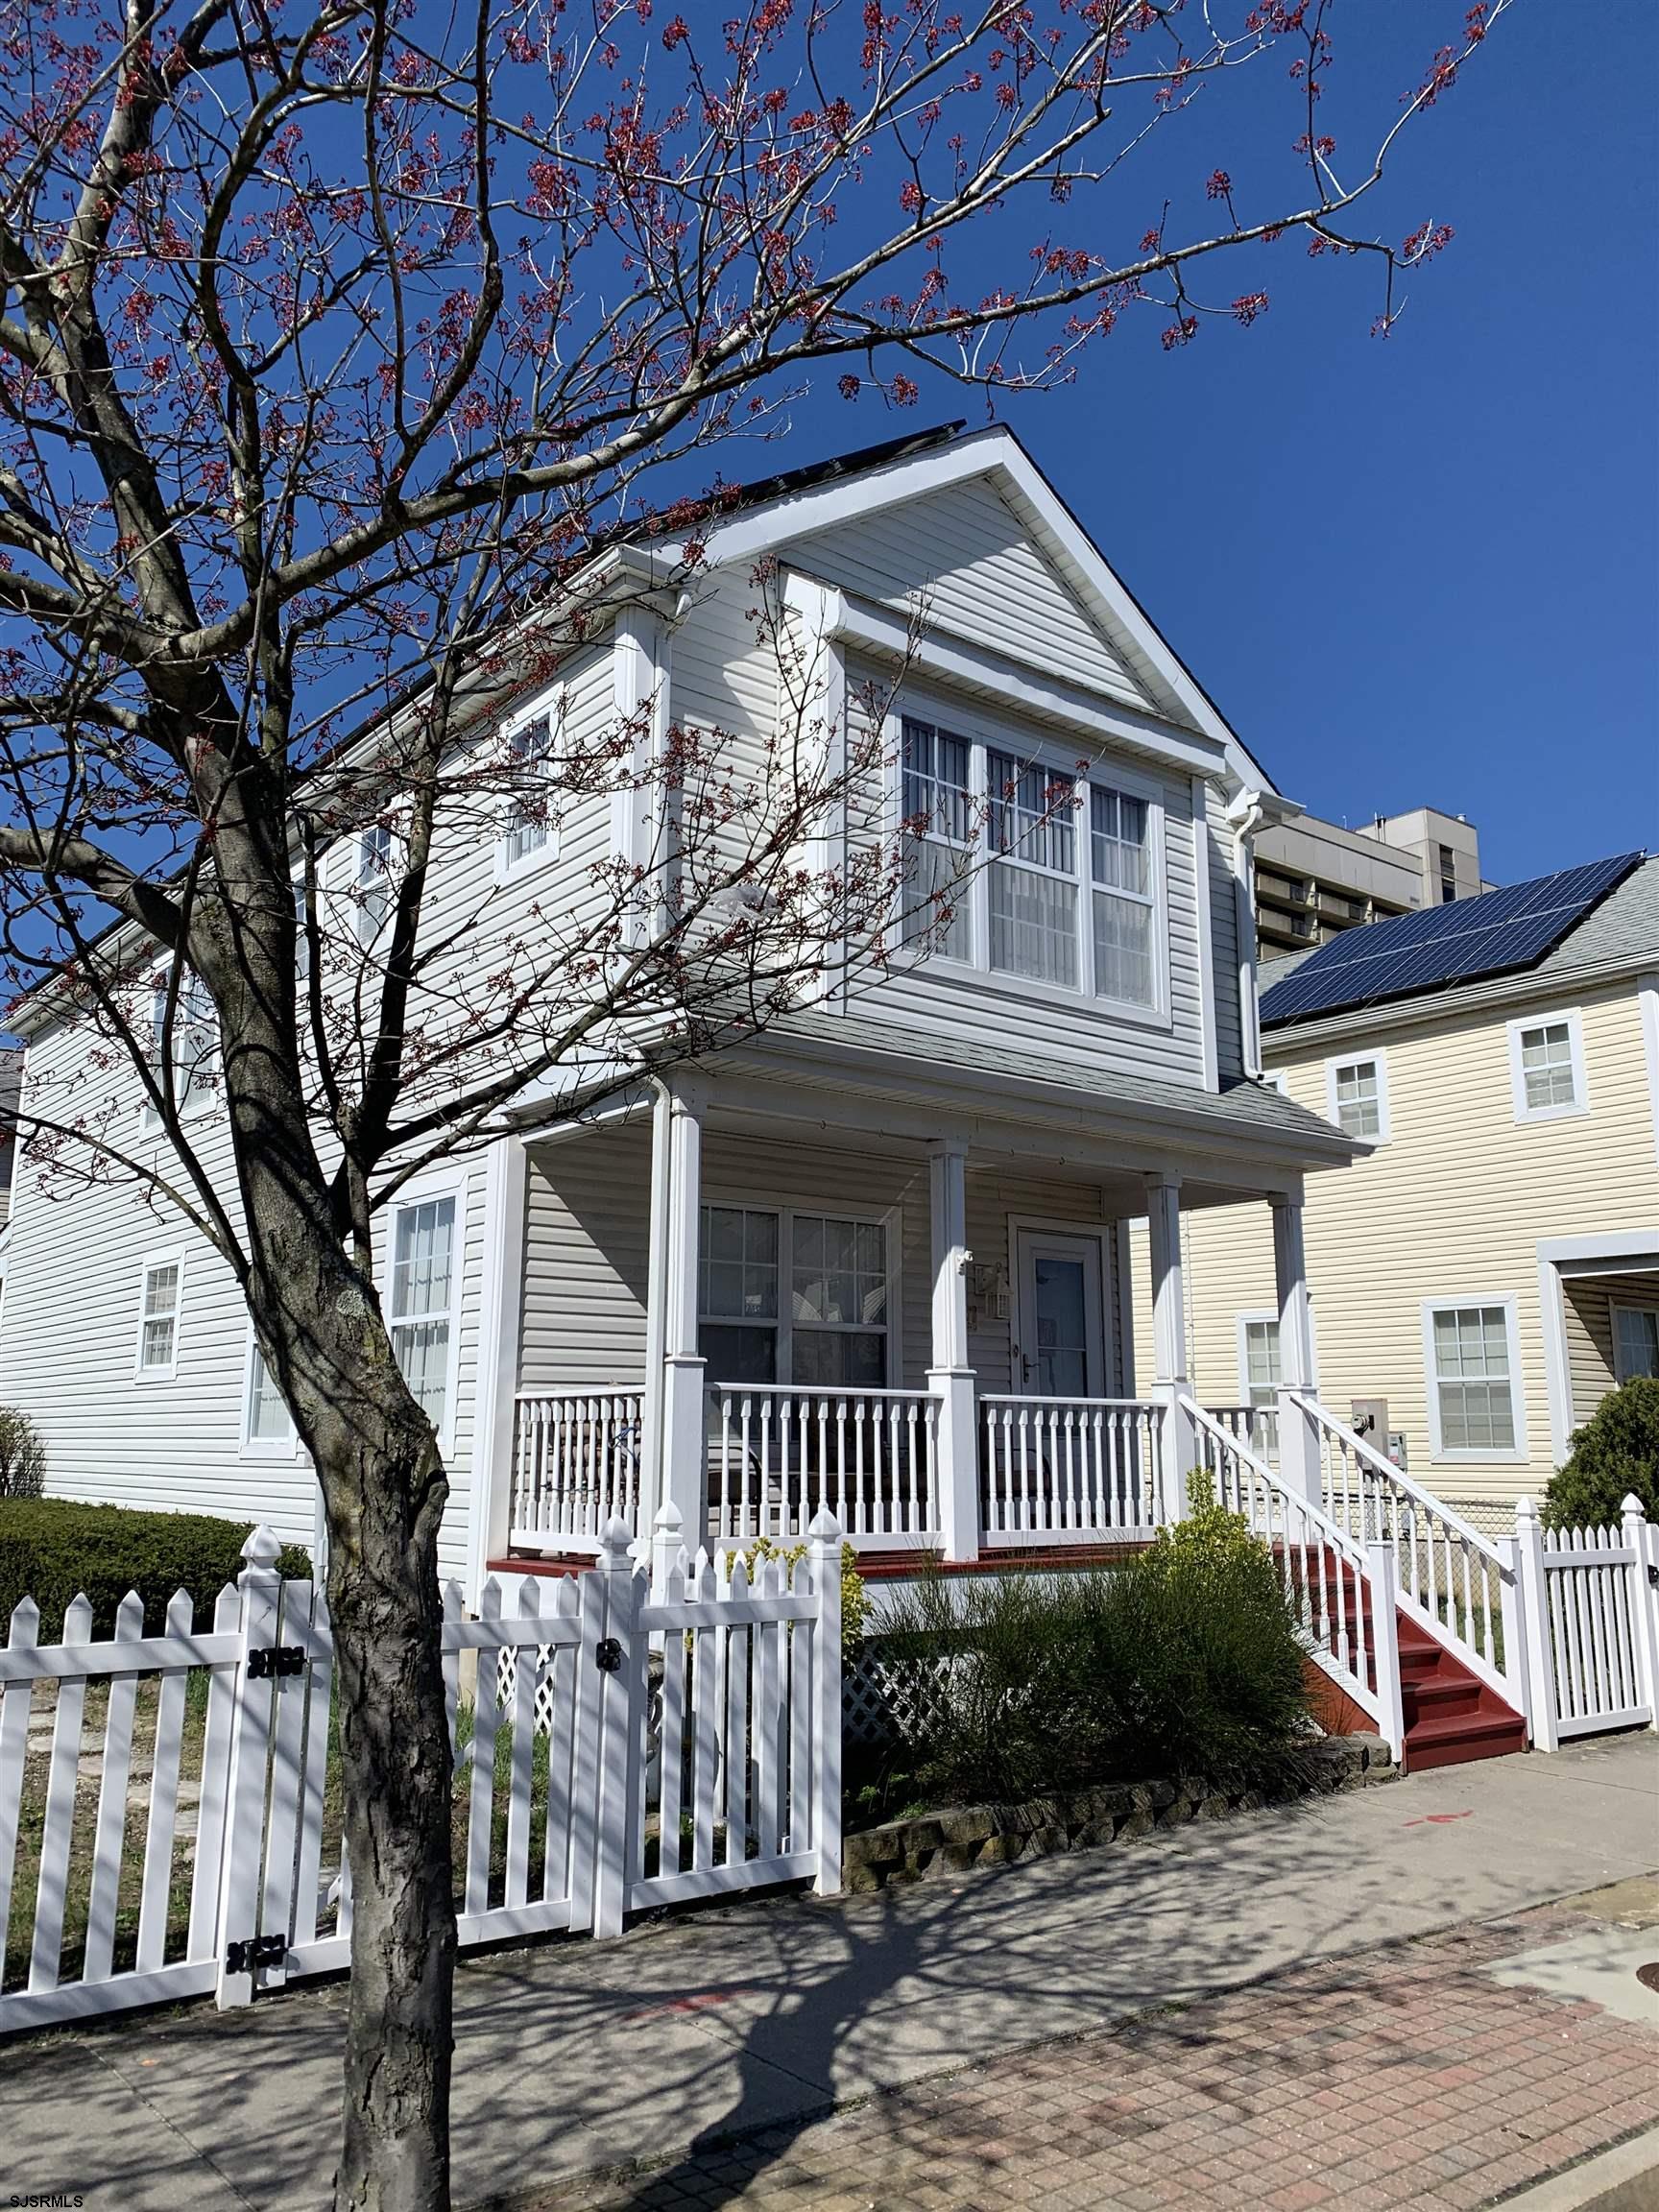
1368, 1417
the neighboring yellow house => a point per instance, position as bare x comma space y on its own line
1491, 1269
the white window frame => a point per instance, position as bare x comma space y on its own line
1620, 1373
548, 707
426, 1193
888, 1220
1377, 1059
1253, 1317
197, 1090
1084, 771
263, 1447
1513, 1456
368, 930
151, 1263
1568, 1019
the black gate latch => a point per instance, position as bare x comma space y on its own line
255, 1952
1654, 1577
607, 1655
271, 1660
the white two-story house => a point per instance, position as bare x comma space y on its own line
875, 1255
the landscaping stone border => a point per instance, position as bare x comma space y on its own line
964, 1836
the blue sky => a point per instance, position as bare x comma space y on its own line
1424, 571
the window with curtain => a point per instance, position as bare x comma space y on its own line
1120, 867
1473, 1384
938, 808
158, 1317
830, 1332
1031, 816
423, 1300
1635, 1341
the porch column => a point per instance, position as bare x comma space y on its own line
1298, 1435
490, 1506
1171, 1382
684, 1426
950, 1378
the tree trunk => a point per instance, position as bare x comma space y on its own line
384, 1509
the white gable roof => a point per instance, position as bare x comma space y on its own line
1132, 661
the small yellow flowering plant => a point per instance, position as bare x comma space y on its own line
855, 1602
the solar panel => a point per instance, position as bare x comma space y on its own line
1438, 946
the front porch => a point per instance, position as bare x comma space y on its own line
731, 1300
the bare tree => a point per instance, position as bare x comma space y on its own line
341, 355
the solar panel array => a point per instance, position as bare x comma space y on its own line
1439, 945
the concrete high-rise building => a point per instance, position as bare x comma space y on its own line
1314, 879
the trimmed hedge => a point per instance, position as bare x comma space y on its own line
54, 1549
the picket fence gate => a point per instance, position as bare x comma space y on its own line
1590, 1614
641, 1735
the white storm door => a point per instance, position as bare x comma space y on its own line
1060, 1347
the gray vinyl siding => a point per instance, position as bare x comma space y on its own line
585, 1252
963, 552
67, 1352
1588, 1303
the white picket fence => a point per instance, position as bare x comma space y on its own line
1590, 1608
193, 1824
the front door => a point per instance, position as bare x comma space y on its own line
1060, 1350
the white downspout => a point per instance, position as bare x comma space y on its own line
1245, 816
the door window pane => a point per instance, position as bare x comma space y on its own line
1061, 1319
1471, 1379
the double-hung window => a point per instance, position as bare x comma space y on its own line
422, 1316
791, 1296
372, 888
160, 1304
1357, 1096
1635, 1341
1258, 1360
527, 826
1546, 1068
1120, 869
269, 1426
1058, 867
185, 1037
1472, 1380
938, 807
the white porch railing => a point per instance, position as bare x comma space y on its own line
1459, 1584
1070, 1470
777, 1455
577, 1464
1343, 1593
1255, 1426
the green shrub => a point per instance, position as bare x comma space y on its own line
1614, 1454
1187, 1660
53, 1550
22, 1456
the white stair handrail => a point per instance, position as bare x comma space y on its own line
1396, 1476
1445, 1567
1332, 1608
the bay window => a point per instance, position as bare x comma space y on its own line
1058, 865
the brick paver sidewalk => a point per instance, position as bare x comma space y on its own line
1403, 2075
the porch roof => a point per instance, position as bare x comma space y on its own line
998, 1080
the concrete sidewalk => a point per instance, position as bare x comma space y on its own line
576, 2055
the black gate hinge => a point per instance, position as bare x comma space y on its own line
607, 1655
268, 1661
255, 1952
